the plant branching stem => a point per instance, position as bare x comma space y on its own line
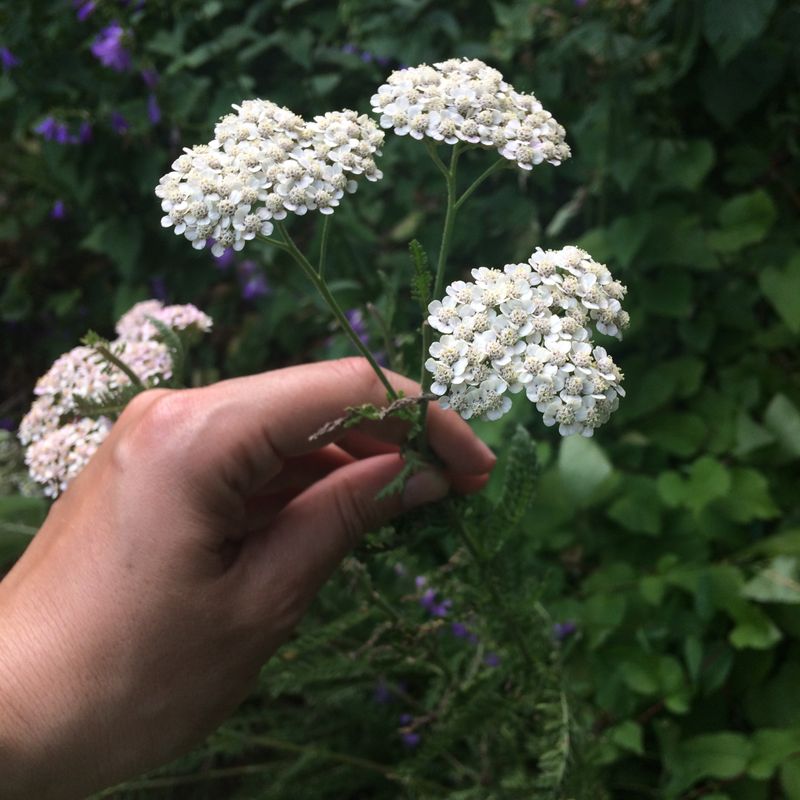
460, 526
323, 245
322, 287
499, 164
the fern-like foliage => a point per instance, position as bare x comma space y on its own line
422, 278
176, 349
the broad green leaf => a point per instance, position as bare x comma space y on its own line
628, 736
729, 24
782, 289
712, 755
771, 748
779, 582
583, 467
684, 164
750, 435
782, 418
669, 294
678, 433
749, 497
638, 508
754, 629
708, 480
744, 220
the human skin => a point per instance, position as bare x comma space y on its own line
182, 557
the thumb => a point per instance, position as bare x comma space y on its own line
303, 545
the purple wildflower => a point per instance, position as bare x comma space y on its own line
150, 78
7, 424
492, 660
356, 320
84, 133
153, 111
8, 59
459, 630
432, 605
225, 260
366, 57
350, 49
119, 124
381, 694
410, 738
563, 630
159, 288
51, 130
254, 287
83, 9
59, 210
420, 581
109, 49
581, 3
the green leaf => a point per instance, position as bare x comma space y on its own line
750, 435
708, 480
628, 736
754, 629
729, 24
669, 294
749, 497
779, 582
713, 755
638, 508
684, 164
782, 289
771, 748
744, 220
783, 419
519, 480
681, 434
422, 279
583, 467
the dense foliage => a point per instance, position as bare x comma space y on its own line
630, 631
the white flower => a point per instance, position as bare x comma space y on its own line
526, 327
263, 162
466, 100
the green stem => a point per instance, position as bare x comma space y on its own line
477, 556
335, 308
119, 364
323, 245
499, 164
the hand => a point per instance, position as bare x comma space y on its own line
181, 558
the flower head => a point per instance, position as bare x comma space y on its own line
7, 59
109, 48
527, 327
263, 163
58, 439
465, 100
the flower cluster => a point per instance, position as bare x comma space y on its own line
109, 46
264, 162
467, 101
528, 327
59, 440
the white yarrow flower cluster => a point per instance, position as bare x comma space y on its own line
465, 100
59, 441
265, 162
527, 327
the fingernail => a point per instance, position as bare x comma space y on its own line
490, 457
424, 487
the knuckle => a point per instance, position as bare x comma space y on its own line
356, 370
355, 515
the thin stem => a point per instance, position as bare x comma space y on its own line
386, 334
119, 364
499, 164
335, 308
435, 157
323, 245
461, 528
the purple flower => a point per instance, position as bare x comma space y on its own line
366, 57
153, 111
254, 287
8, 59
226, 259
356, 320
420, 581
381, 694
492, 660
460, 630
118, 123
581, 3
159, 288
563, 630
109, 50
53, 131
85, 132
350, 49
83, 9
433, 606
410, 738
7, 424
150, 78
59, 210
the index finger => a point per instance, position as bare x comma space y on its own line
278, 411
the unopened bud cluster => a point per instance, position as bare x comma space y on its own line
468, 101
264, 162
528, 327
59, 440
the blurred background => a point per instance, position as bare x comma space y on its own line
665, 549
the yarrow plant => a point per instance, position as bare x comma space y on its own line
80, 396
